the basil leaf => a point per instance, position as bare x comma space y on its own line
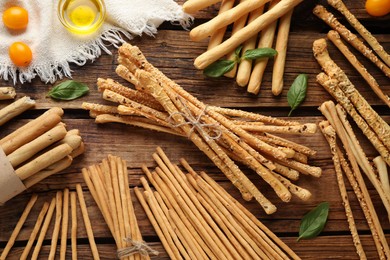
68, 90
218, 68
259, 53
237, 52
314, 222
297, 92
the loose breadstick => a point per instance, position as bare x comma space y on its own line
370, 39
244, 34
7, 93
281, 48
331, 85
217, 37
52, 169
305, 129
245, 66
266, 40
15, 109
64, 226
335, 38
351, 38
381, 167
238, 25
381, 128
31, 130
99, 108
43, 161
192, 6
44, 229
206, 29
330, 135
34, 232
87, 222
18, 226
73, 207
28, 150
57, 226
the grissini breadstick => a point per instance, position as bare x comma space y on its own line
57, 226
245, 66
34, 232
206, 29
43, 161
381, 167
52, 169
18, 226
237, 25
217, 37
281, 48
244, 34
351, 38
87, 222
370, 39
28, 150
335, 38
44, 229
305, 129
15, 109
330, 135
266, 40
64, 224
31, 130
73, 206
7, 93
192, 6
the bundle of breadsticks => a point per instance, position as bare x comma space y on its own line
224, 135
108, 183
195, 218
36, 150
60, 205
337, 128
251, 19
339, 32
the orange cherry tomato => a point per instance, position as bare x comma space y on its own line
20, 54
378, 7
15, 18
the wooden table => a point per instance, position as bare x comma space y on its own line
173, 53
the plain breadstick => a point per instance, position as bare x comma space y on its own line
245, 66
244, 34
224, 19
335, 38
192, 6
18, 226
31, 130
15, 109
73, 207
381, 168
7, 93
43, 161
217, 37
64, 224
57, 226
281, 48
370, 39
266, 40
28, 150
35, 231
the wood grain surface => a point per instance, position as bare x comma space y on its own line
172, 52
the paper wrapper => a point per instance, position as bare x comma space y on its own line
10, 184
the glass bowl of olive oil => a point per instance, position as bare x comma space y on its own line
81, 16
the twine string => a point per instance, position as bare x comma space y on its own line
138, 247
195, 122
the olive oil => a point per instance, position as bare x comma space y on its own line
82, 16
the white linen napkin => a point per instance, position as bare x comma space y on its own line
54, 47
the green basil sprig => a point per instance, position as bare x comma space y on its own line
314, 222
220, 67
68, 90
297, 92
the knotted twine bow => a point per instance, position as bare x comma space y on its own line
196, 122
138, 247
